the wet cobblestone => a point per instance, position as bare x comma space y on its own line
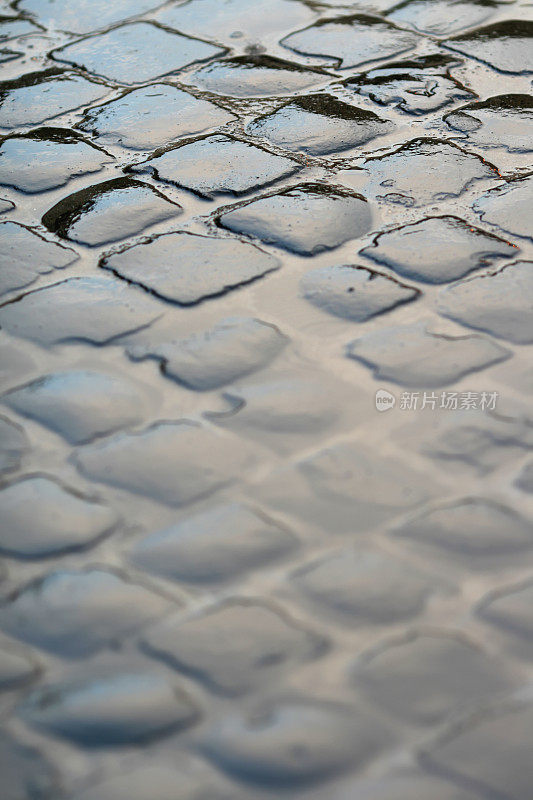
264, 533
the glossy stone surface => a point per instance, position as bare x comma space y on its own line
82, 16
506, 207
306, 219
207, 266
26, 254
501, 121
152, 117
506, 46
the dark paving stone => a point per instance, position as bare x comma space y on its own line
472, 752
233, 348
109, 211
215, 545
96, 309
476, 531
412, 356
235, 21
255, 76
425, 171
416, 86
288, 743
14, 445
305, 219
218, 165
25, 772
425, 678
442, 17
499, 303
506, 45
319, 124
353, 292
26, 254
207, 266
340, 489
351, 40
79, 405
364, 587
510, 609
40, 96
152, 117
16, 669
234, 647
115, 709
507, 207
79, 16
40, 518
502, 121
74, 614
525, 479
135, 53
170, 462
59, 154
437, 249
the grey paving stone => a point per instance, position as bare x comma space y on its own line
361, 586
79, 309
413, 356
112, 709
510, 609
353, 292
170, 462
233, 348
351, 40
472, 752
426, 678
40, 96
14, 445
319, 124
218, 165
215, 545
525, 479
60, 156
507, 207
151, 53
502, 121
151, 117
305, 219
25, 772
83, 17
75, 613
437, 249
296, 742
6, 205
110, 211
13, 28
405, 784
41, 518
476, 531
235, 21
16, 669
235, 647
415, 86
424, 171
79, 405
505, 45
499, 303
26, 254
443, 17
255, 76
207, 266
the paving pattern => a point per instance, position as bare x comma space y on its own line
266, 311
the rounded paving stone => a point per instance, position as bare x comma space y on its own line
507, 207
215, 545
353, 292
112, 710
25, 772
84, 16
502, 121
235, 647
40, 518
16, 669
510, 609
504, 45
73, 614
14, 445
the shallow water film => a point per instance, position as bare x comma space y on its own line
266, 437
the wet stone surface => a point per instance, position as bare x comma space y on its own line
266, 476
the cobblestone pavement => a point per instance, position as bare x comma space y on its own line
266, 325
